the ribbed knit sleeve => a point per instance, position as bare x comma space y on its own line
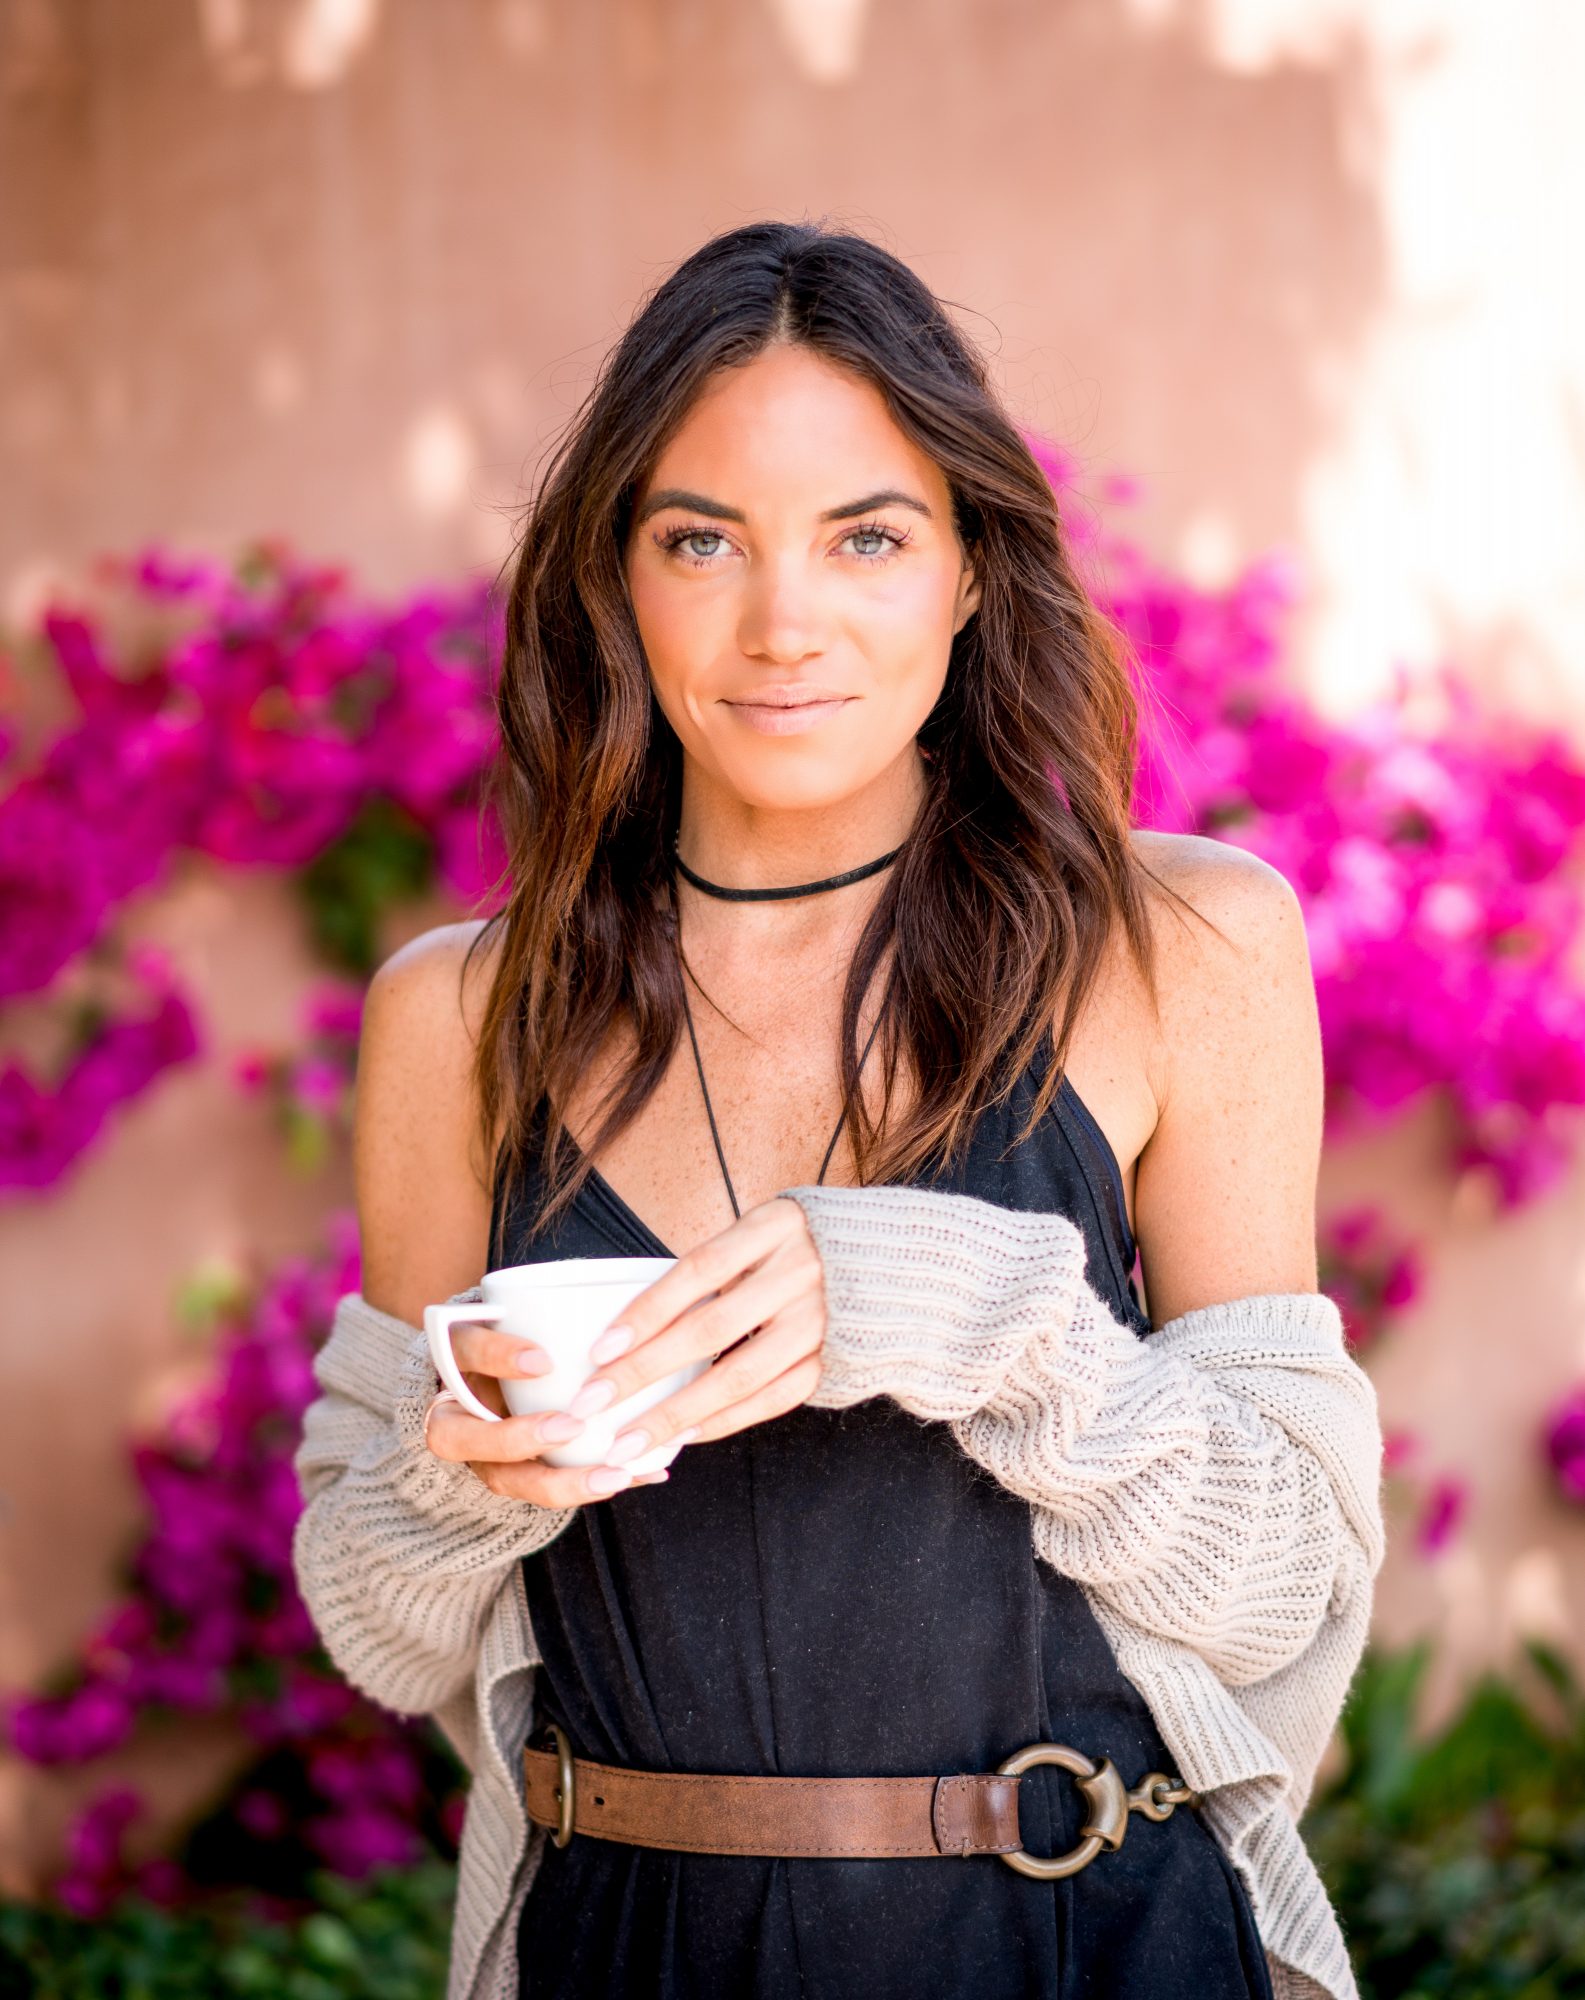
1227, 1500
399, 1555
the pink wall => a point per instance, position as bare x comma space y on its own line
261, 272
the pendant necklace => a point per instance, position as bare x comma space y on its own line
764, 895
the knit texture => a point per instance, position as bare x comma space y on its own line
1213, 1488
409, 1567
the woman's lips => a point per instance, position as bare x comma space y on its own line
773, 721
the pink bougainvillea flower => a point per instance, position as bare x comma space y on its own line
361, 1839
1438, 868
1441, 1515
42, 1130
215, 1598
1372, 1276
1563, 1441
261, 710
1398, 1446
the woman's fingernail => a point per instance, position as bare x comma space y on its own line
591, 1397
609, 1478
560, 1427
532, 1362
614, 1341
687, 1436
628, 1445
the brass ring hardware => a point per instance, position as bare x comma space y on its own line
564, 1793
1110, 1804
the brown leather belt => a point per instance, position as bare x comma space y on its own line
857, 1818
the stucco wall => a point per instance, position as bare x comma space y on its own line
342, 270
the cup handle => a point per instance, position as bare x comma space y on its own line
438, 1322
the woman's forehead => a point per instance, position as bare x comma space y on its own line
805, 438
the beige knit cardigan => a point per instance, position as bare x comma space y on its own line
1214, 1488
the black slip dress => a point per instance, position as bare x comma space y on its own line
844, 1592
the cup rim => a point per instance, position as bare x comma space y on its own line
559, 1271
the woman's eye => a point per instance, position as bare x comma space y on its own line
686, 535
875, 535
880, 542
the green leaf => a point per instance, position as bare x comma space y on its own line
328, 1942
214, 1291
384, 859
307, 1140
1555, 1669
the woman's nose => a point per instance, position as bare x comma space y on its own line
784, 618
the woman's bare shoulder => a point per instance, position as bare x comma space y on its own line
420, 1170
1225, 1189
1206, 871
1226, 905
429, 971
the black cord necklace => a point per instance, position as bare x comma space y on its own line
780, 895
698, 1060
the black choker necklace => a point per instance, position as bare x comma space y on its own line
778, 895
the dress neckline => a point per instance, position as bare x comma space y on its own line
1065, 1090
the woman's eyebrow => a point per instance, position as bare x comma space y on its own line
701, 503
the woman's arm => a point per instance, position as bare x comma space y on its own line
399, 1554
1218, 1482
423, 1186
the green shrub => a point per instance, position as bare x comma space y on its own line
384, 1938
1457, 1861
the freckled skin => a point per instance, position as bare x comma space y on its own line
1213, 1108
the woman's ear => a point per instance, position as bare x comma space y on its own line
968, 597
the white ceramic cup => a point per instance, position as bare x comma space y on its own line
563, 1307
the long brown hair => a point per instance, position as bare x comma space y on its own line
1018, 866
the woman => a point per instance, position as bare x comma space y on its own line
833, 967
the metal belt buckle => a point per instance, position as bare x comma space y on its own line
564, 1788
1110, 1804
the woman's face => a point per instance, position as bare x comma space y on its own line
797, 582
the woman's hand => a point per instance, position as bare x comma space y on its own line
766, 1326
506, 1456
